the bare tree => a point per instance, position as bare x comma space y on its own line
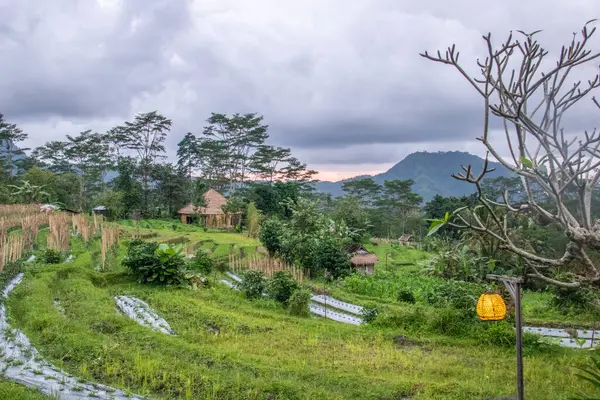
531, 105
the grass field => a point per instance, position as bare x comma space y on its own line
229, 348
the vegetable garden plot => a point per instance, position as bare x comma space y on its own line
22, 363
330, 301
318, 309
334, 315
586, 338
143, 314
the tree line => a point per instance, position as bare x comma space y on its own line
126, 168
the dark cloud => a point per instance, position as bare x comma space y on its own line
331, 78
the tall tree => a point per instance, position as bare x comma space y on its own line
399, 201
187, 154
10, 135
146, 135
241, 135
529, 94
366, 189
267, 161
89, 155
54, 156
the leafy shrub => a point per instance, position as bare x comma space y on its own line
330, 256
496, 333
201, 262
153, 263
414, 318
298, 303
253, 284
450, 321
406, 296
282, 286
456, 294
51, 256
271, 231
574, 299
369, 314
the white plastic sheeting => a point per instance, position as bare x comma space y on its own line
566, 340
317, 308
334, 315
22, 363
330, 301
143, 314
226, 282
234, 277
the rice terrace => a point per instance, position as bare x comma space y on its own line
227, 270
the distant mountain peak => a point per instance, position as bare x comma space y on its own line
431, 172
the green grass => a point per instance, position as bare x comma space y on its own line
261, 352
13, 391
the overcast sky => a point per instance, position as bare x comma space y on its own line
338, 81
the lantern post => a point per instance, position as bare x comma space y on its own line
514, 288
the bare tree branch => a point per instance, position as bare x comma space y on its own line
532, 104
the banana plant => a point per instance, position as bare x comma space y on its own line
29, 193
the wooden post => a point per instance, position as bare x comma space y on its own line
514, 288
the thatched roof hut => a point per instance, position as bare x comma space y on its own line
361, 259
212, 213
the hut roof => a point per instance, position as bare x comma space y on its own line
100, 208
362, 259
356, 248
213, 200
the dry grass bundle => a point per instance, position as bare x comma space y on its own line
83, 227
109, 241
59, 236
11, 249
98, 221
11, 210
267, 265
30, 226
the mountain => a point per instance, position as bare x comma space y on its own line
431, 173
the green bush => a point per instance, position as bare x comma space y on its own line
154, 263
299, 302
574, 299
369, 314
270, 233
450, 321
459, 295
201, 262
51, 256
253, 284
282, 286
406, 296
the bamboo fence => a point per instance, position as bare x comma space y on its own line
267, 265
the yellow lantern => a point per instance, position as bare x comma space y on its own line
491, 307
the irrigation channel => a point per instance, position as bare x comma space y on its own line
321, 305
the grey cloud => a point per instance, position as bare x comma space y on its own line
328, 77
100, 66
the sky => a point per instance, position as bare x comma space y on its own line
339, 82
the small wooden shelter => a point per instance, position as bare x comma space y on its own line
361, 259
100, 210
405, 240
212, 215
